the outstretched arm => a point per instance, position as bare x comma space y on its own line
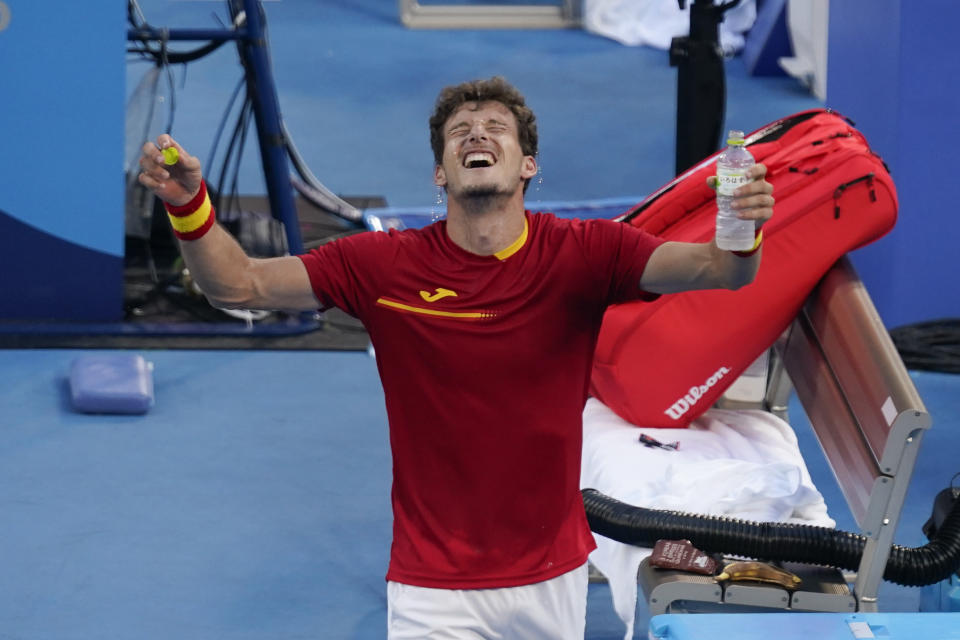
227, 276
687, 266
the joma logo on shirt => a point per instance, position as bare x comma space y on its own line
440, 293
682, 405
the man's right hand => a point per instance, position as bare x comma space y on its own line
175, 184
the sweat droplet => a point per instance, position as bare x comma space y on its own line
436, 211
170, 155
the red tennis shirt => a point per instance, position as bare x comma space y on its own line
485, 363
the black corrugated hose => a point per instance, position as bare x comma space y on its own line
930, 346
929, 564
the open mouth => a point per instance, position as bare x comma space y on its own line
479, 160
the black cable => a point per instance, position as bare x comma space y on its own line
132, 7
231, 163
223, 120
244, 129
313, 190
179, 57
172, 57
164, 64
228, 154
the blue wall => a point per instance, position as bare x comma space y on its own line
893, 68
61, 160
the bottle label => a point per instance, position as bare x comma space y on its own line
728, 181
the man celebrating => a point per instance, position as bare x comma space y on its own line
484, 326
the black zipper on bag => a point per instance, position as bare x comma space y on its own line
843, 187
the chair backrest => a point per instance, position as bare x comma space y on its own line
862, 404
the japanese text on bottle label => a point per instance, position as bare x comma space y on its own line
727, 182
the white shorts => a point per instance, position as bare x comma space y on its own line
555, 609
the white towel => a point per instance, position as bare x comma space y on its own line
739, 464
655, 22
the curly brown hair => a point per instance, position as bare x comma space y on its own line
496, 89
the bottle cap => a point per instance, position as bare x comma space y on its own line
735, 137
170, 155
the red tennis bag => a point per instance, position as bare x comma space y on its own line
662, 364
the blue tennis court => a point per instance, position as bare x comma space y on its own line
252, 501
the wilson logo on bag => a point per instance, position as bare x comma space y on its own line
682, 405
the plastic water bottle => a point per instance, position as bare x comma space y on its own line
733, 234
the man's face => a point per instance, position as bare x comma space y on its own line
481, 153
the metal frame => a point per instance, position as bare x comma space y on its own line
252, 44
489, 16
869, 420
864, 409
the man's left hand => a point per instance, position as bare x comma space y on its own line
754, 200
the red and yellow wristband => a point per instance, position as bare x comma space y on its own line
192, 220
757, 241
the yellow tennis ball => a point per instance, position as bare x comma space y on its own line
170, 155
